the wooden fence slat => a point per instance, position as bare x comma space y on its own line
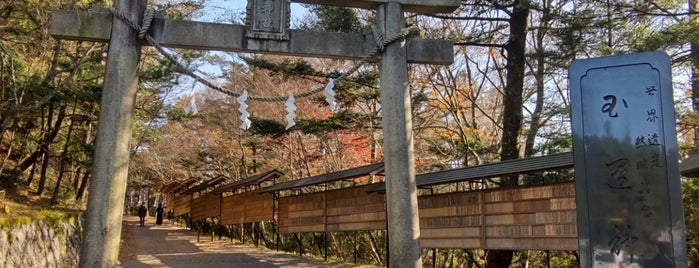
450, 222
532, 243
450, 243
182, 204
563, 203
569, 216
499, 208
232, 210
454, 233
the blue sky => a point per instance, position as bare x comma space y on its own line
217, 10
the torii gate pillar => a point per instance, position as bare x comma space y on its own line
399, 160
105, 203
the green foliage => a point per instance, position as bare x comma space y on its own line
89, 93
181, 10
10, 179
690, 195
266, 127
288, 67
350, 118
315, 126
50, 216
359, 88
177, 115
10, 58
556, 144
334, 19
162, 70
674, 35
550, 258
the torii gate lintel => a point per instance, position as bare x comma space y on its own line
96, 26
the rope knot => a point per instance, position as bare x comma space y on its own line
381, 40
378, 36
148, 15
142, 29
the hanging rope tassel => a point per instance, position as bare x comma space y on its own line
291, 109
330, 95
192, 108
243, 108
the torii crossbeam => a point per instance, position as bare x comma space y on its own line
97, 26
266, 31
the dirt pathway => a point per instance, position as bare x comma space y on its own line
173, 246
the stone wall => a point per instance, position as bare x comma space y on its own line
46, 243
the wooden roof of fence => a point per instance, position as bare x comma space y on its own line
252, 180
173, 187
498, 169
209, 183
168, 187
346, 174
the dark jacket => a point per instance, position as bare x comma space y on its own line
142, 211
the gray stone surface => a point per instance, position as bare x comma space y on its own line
41, 244
74, 25
112, 143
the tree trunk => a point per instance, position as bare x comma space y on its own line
512, 115
30, 177
83, 185
49, 139
536, 119
374, 248
694, 82
471, 260
44, 148
76, 178
299, 241
9, 150
51, 135
36, 155
86, 176
64, 161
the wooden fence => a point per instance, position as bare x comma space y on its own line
182, 204
537, 217
207, 206
348, 209
246, 207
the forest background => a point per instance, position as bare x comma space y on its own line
504, 97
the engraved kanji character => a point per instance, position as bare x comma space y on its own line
651, 116
653, 139
618, 175
651, 90
640, 142
623, 237
608, 107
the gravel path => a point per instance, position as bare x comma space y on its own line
173, 246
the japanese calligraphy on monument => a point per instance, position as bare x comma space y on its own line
268, 19
626, 168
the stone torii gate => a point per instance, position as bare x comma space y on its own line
266, 31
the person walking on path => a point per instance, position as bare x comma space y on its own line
159, 215
142, 215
